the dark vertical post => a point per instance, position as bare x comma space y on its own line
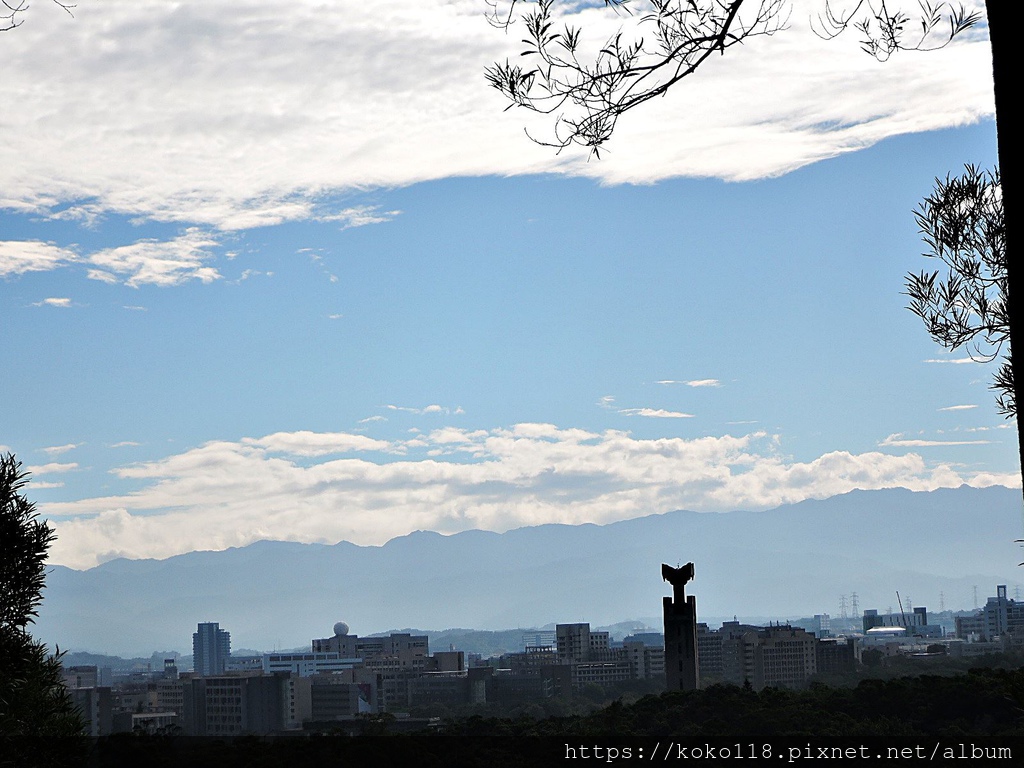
1004, 23
680, 631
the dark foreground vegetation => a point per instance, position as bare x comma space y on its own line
935, 719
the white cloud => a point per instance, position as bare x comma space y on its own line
955, 361
433, 408
104, 277
452, 435
125, 444
898, 440
693, 382
47, 469
225, 493
317, 443
236, 115
247, 273
151, 262
20, 256
360, 216
549, 432
56, 450
958, 408
62, 302
655, 413
144, 262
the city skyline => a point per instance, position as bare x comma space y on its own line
820, 624
794, 561
360, 302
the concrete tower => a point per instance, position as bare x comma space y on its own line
680, 631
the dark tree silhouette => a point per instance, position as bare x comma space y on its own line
26, 541
12, 10
39, 725
963, 224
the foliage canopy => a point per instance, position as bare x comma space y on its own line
39, 724
964, 227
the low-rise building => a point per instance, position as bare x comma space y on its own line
80, 677
307, 664
836, 656
915, 622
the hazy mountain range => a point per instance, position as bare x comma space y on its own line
795, 560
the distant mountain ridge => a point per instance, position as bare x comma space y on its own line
795, 560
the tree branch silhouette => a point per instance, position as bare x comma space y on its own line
964, 226
11, 11
588, 93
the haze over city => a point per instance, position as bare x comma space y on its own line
294, 274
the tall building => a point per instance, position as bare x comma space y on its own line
680, 631
591, 659
646, 655
710, 664
229, 706
738, 645
574, 643
1001, 617
775, 656
211, 647
785, 657
96, 707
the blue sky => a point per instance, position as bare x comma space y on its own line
351, 302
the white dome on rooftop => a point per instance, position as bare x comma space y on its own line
340, 629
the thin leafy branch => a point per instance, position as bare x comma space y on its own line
666, 41
12, 10
588, 93
963, 224
884, 31
504, 19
